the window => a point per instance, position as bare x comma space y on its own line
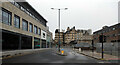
25, 25
30, 27
17, 21
12, 1
39, 31
6, 17
43, 35
17, 5
113, 28
35, 29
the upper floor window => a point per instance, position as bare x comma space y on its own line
39, 30
6, 17
17, 21
25, 25
30, 27
16, 4
113, 28
35, 29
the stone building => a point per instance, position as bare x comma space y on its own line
71, 35
81, 36
57, 37
22, 27
84, 36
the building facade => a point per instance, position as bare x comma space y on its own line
81, 36
22, 26
57, 37
112, 33
71, 35
111, 44
49, 39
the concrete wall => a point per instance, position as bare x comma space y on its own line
109, 48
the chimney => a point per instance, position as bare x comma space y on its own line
68, 29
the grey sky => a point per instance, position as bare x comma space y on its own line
83, 14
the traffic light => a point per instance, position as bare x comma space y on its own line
101, 38
104, 39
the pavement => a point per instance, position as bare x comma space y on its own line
12, 53
96, 55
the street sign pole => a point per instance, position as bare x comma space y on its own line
102, 47
101, 40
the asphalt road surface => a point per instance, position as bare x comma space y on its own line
50, 56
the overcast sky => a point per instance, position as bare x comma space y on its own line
83, 14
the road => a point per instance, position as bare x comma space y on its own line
50, 56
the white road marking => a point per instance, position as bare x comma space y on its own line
101, 62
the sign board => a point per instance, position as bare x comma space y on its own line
43, 35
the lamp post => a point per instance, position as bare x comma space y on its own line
59, 9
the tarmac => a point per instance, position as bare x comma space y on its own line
12, 53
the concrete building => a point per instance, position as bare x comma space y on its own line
70, 35
84, 36
22, 26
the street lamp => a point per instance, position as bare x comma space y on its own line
59, 21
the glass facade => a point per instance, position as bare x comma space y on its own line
17, 21
24, 25
6, 17
31, 27
35, 29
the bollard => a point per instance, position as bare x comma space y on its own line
62, 52
79, 49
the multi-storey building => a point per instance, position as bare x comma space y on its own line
49, 39
84, 36
81, 36
111, 39
71, 35
57, 37
112, 33
22, 26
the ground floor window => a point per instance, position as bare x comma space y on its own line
36, 43
43, 43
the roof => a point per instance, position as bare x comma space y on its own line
70, 30
116, 25
82, 45
30, 9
